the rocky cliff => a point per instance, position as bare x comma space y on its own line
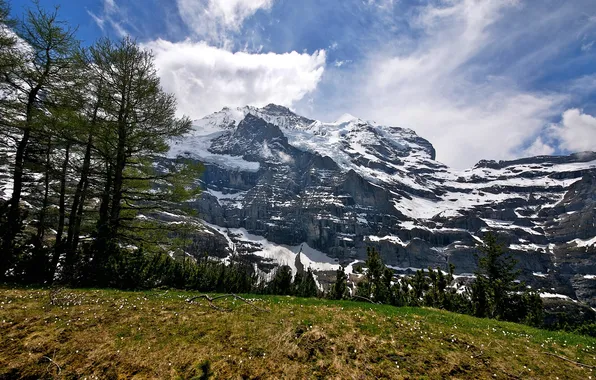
288, 190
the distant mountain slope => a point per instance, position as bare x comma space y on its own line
277, 179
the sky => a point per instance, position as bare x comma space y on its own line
479, 79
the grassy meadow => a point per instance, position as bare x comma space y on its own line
107, 334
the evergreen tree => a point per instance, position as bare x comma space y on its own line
496, 271
282, 281
10, 54
378, 278
419, 287
496, 293
339, 289
297, 284
534, 315
305, 284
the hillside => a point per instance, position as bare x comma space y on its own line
112, 334
284, 189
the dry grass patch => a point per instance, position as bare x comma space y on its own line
158, 335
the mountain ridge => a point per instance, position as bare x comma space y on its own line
337, 188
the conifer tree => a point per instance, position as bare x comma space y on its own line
495, 283
307, 286
9, 56
339, 289
378, 278
138, 120
47, 50
282, 281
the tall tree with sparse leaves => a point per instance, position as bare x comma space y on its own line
46, 48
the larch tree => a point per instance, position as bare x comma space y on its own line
46, 48
138, 119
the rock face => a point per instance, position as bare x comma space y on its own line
294, 190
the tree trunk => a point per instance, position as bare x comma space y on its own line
79, 218
76, 213
103, 223
41, 228
121, 149
74, 225
58, 246
13, 222
118, 180
13, 217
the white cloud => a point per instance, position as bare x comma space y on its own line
586, 47
384, 4
438, 90
539, 148
98, 20
111, 14
338, 64
213, 19
576, 132
205, 78
110, 5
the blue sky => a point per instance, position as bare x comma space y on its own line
478, 78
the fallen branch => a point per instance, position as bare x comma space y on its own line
571, 361
367, 299
211, 299
52, 362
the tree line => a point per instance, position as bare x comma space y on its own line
493, 293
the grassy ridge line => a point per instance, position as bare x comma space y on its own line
114, 334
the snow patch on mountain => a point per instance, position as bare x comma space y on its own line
277, 253
196, 144
352, 183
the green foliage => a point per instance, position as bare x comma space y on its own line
95, 125
282, 281
378, 278
496, 271
339, 289
588, 329
31, 80
496, 293
305, 285
136, 269
9, 55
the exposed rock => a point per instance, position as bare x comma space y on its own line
341, 187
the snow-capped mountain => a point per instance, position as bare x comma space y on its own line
287, 189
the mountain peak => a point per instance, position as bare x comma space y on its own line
276, 109
346, 118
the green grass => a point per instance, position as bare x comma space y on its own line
112, 334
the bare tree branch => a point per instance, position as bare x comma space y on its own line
571, 361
